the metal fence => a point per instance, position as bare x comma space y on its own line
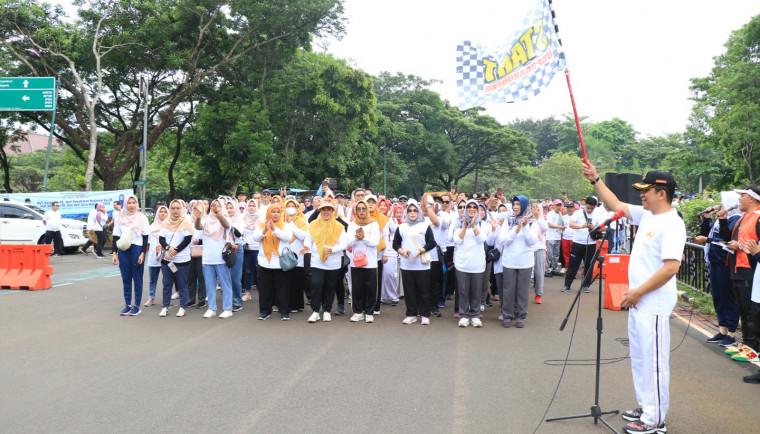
694, 271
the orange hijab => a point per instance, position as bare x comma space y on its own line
381, 220
270, 242
325, 232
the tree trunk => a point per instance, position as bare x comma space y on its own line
93, 150
6, 170
174, 162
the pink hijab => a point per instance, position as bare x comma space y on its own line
132, 220
155, 227
213, 227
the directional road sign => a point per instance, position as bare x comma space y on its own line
27, 93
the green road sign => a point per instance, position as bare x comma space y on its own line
27, 93
138, 182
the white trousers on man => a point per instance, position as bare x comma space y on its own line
649, 343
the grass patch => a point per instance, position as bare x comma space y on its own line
702, 302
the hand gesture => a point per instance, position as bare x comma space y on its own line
723, 213
404, 253
474, 222
414, 257
359, 234
589, 171
749, 247
270, 225
140, 259
328, 250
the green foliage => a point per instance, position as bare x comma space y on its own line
690, 208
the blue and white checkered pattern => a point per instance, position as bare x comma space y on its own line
471, 82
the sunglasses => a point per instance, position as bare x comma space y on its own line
460, 207
412, 210
472, 207
361, 209
446, 201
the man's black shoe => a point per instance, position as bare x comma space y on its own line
753, 379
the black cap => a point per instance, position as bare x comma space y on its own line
656, 178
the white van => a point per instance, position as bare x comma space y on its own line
21, 223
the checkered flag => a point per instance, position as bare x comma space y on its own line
489, 75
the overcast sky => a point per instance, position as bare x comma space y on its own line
627, 59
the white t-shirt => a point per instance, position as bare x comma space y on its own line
136, 238
92, 221
660, 237
174, 239
52, 220
579, 218
555, 218
368, 245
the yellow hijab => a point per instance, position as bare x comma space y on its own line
325, 232
298, 218
270, 242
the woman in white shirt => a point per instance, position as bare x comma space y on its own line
196, 283
274, 235
235, 236
517, 259
326, 240
175, 236
154, 266
390, 286
214, 267
470, 235
413, 238
457, 215
364, 237
295, 279
251, 247
133, 226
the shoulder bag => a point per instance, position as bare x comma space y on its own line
288, 259
426, 257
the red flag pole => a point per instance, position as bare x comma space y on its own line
577, 120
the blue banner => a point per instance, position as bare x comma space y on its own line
74, 204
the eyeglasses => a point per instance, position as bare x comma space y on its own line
460, 207
361, 209
412, 210
446, 201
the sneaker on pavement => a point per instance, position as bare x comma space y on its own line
642, 428
340, 311
441, 304
495, 298
247, 296
225, 314
326, 317
409, 320
209, 313
376, 312
520, 323
715, 339
501, 317
125, 311
263, 317
425, 321
181, 312
730, 351
507, 323
357, 317
464, 322
586, 289
314, 317
746, 355
538, 299
164, 311
237, 308
632, 415
727, 341
752, 379
437, 313
369, 318
175, 296
476, 322
565, 288
81, 249
200, 305
275, 309
285, 317
149, 303
135, 311
563, 271
394, 303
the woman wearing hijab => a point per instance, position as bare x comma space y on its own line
413, 238
154, 265
518, 238
390, 285
196, 283
96, 220
234, 235
274, 235
377, 215
175, 236
470, 235
326, 240
364, 238
458, 221
133, 224
214, 266
250, 256
539, 252
295, 278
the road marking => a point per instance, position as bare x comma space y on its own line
61, 284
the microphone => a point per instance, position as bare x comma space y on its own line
606, 223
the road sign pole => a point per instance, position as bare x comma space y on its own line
144, 85
52, 130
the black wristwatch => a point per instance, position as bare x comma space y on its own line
595, 181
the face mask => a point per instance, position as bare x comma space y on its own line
290, 211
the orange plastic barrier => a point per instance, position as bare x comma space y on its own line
615, 279
25, 267
602, 253
613, 295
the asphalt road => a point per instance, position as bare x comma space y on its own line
70, 363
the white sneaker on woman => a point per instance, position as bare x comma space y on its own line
425, 321
181, 312
326, 317
164, 311
476, 322
209, 313
226, 314
357, 317
314, 317
409, 320
464, 322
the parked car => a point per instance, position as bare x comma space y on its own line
21, 223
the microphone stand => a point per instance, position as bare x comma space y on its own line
588, 279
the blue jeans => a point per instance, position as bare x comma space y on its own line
222, 272
179, 279
131, 272
250, 268
153, 283
236, 275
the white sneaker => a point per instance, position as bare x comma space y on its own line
464, 322
164, 311
181, 312
225, 314
357, 317
247, 296
409, 320
369, 318
314, 317
326, 317
275, 309
175, 296
425, 321
209, 313
501, 317
476, 322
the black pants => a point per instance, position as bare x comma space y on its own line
339, 287
363, 290
436, 282
749, 312
98, 247
416, 292
307, 275
196, 283
323, 288
578, 253
451, 278
294, 281
379, 284
272, 288
57, 240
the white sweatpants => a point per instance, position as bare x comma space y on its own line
649, 342
390, 280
